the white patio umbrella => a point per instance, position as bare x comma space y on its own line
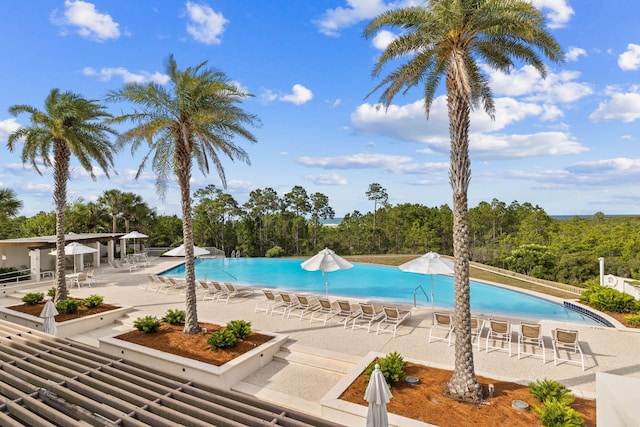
48, 313
73, 249
378, 395
430, 263
179, 251
326, 261
134, 235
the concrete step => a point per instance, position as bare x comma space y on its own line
338, 363
279, 398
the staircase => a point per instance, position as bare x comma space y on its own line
298, 377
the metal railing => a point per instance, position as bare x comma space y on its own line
415, 291
218, 269
15, 276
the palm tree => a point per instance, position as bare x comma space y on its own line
10, 205
68, 125
449, 38
112, 200
193, 122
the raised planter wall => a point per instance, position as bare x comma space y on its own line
225, 376
67, 328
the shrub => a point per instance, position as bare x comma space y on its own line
544, 390
68, 306
93, 301
607, 299
222, 339
240, 328
174, 317
147, 324
33, 298
556, 414
275, 252
633, 319
51, 292
392, 367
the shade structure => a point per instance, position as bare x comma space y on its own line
73, 249
378, 395
179, 251
134, 235
48, 314
430, 263
326, 261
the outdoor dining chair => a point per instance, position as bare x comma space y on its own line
441, 322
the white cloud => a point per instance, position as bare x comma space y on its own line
355, 161
206, 25
620, 106
7, 127
558, 11
334, 20
89, 23
523, 146
630, 59
383, 38
299, 95
327, 179
105, 74
574, 53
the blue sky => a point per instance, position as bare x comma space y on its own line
568, 143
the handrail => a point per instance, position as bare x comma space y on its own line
218, 269
14, 276
414, 295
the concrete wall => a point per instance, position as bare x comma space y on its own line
617, 400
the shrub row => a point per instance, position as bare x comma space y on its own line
64, 306
607, 299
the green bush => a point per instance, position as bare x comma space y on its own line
93, 301
174, 317
633, 319
607, 299
147, 324
68, 306
240, 328
275, 252
544, 390
556, 414
222, 339
33, 298
51, 292
392, 367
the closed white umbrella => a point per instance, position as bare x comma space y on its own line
179, 251
73, 249
326, 261
430, 263
48, 314
378, 395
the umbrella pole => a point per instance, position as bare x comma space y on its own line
326, 284
432, 295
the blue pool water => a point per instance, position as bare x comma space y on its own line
380, 283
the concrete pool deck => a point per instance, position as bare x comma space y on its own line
607, 350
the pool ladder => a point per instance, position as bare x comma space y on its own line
415, 291
218, 269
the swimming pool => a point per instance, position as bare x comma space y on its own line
380, 283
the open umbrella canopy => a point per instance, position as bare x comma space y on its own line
326, 260
179, 251
134, 235
430, 263
378, 395
75, 248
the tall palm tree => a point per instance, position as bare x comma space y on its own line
451, 39
10, 205
193, 121
112, 200
68, 125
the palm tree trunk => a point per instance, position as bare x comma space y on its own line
463, 384
183, 172
62, 157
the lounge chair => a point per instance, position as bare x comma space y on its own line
344, 311
477, 325
324, 312
173, 285
267, 304
152, 283
530, 334
287, 302
304, 305
441, 322
500, 334
366, 316
393, 317
234, 291
567, 340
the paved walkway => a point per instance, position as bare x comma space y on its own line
606, 350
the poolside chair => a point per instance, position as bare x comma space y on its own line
530, 334
441, 322
217, 290
267, 304
304, 306
90, 276
500, 334
567, 340
477, 325
343, 311
152, 283
365, 317
173, 285
324, 312
287, 302
79, 280
393, 318
234, 291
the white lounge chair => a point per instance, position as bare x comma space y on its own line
343, 311
305, 304
530, 334
365, 317
566, 340
325, 311
441, 322
392, 318
234, 291
287, 302
500, 334
267, 305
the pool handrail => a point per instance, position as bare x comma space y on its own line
414, 295
219, 269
